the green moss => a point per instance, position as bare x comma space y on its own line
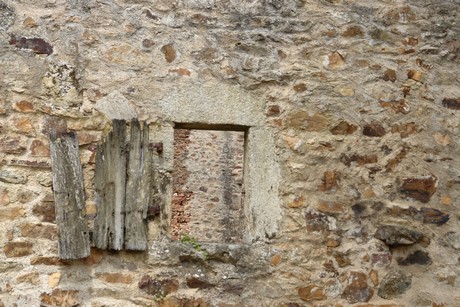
187, 239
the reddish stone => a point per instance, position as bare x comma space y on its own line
45, 210
24, 106
357, 289
451, 103
95, 257
60, 298
54, 125
39, 149
37, 45
39, 231
311, 293
390, 75
169, 52
419, 188
17, 249
273, 110
11, 145
330, 180
343, 128
399, 15
115, 278
374, 130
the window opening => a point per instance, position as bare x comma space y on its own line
208, 190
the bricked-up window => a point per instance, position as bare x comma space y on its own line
207, 201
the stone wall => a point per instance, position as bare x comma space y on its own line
359, 101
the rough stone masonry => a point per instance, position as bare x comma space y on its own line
351, 115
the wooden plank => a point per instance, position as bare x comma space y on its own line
110, 188
69, 194
138, 187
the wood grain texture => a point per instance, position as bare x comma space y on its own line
73, 235
138, 187
110, 188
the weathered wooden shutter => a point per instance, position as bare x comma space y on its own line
122, 186
69, 194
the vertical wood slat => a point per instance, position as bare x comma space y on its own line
73, 235
138, 187
110, 189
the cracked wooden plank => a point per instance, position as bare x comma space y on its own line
110, 189
69, 194
138, 187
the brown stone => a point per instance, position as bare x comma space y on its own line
273, 110
160, 287
39, 231
398, 106
374, 277
414, 75
434, 216
4, 198
333, 242
60, 298
374, 129
11, 213
115, 278
419, 188
187, 302
11, 145
342, 259
300, 87
39, 149
47, 261
399, 15
29, 22
343, 128
330, 180
336, 60
360, 160
357, 289
451, 103
95, 256
405, 130
299, 201
46, 211
37, 45
389, 75
29, 278
198, 283
181, 71
85, 138
445, 200
442, 139
301, 120
59, 125
24, 106
353, 31
392, 163
317, 222
397, 235
17, 249
23, 125
330, 207
169, 52
311, 293
276, 260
